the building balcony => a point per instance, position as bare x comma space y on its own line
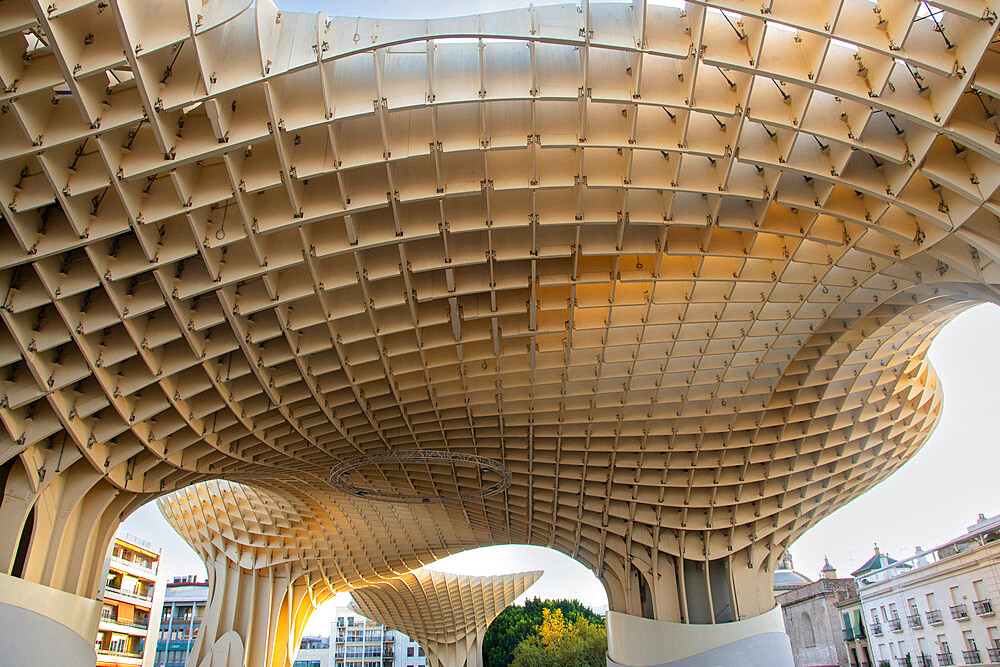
134, 625
924, 660
959, 612
934, 617
994, 654
983, 607
127, 656
876, 629
914, 621
895, 625
945, 659
972, 657
901, 661
848, 635
133, 566
129, 594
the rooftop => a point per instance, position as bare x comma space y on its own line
978, 535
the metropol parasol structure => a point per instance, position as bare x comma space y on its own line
650, 285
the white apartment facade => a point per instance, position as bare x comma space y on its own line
356, 641
313, 652
937, 608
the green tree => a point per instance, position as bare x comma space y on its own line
519, 622
562, 644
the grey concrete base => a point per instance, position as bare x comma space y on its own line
42, 626
768, 650
30, 639
759, 641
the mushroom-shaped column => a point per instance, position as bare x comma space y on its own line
852, 407
447, 613
262, 587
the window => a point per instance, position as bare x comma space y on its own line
421, 652
808, 632
979, 589
409, 651
956, 595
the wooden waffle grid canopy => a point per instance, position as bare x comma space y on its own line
439, 607
677, 268
391, 474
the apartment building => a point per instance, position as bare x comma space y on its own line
936, 608
184, 603
360, 642
313, 652
853, 627
356, 641
132, 599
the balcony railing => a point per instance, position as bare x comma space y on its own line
848, 635
134, 563
876, 629
983, 607
959, 612
141, 625
994, 654
945, 659
895, 625
972, 657
120, 654
115, 589
924, 660
934, 617
904, 661
915, 621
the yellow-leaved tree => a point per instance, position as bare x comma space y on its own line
561, 643
553, 628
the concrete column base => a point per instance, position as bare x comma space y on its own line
45, 626
755, 642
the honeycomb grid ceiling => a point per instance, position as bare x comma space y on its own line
677, 268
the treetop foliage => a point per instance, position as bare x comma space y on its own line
520, 622
563, 644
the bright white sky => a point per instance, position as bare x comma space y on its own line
932, 498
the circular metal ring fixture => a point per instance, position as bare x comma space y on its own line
340, 476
